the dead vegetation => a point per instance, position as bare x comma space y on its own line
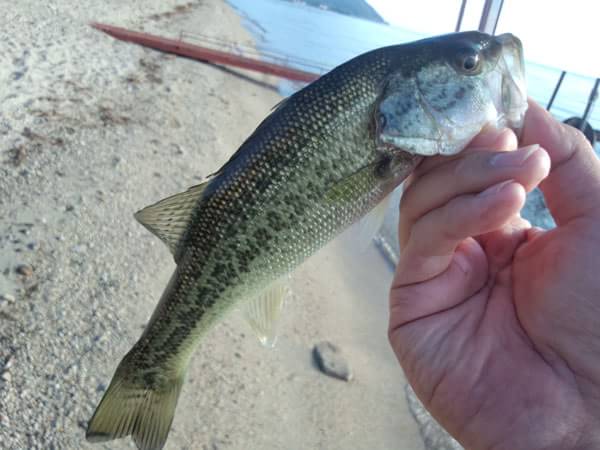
151, 70
33, 142
108, 117
179, 9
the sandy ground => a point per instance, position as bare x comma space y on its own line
91, 130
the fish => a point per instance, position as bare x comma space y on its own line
322, 160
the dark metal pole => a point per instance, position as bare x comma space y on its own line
556, 88
590, 104
490, 16
460, 15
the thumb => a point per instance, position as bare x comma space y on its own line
572, 189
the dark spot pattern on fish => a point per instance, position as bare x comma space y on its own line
264, 211
460, 93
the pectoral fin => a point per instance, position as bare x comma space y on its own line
354, 185
169, 218
263, 312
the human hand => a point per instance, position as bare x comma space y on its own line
497, 324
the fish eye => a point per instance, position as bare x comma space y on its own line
468, 62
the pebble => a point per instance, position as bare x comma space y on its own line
330, 361
24, 269
6, 298
177, 149
4, 420
6, 376
33, 245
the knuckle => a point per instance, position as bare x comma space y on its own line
461, 166
576, 138
470, 164
405, 210
452, 229
450, 234
407, 205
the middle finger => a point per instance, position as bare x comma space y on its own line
472, 173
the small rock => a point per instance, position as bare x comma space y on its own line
330, 361
6, 298
24, 269
9, 363
4, 420
177, 149
69, 208
33, 245
6, 376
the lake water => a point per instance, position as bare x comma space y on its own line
330, 39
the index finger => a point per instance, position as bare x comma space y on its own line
572, 188
490, 138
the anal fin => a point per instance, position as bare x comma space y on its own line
263, 312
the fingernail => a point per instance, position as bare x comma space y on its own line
495, 188
513, 159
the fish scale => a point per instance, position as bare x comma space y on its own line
251, 183
320, 161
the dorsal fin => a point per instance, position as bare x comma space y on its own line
169, 218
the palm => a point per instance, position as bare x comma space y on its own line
486, 365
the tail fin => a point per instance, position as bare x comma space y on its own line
131, 408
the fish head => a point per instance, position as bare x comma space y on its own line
454, 86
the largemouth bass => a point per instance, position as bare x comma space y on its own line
324, 158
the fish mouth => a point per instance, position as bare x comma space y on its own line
512, 103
